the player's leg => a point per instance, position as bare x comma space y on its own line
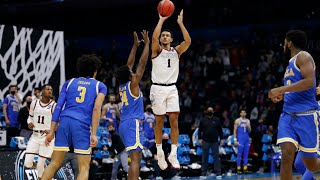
130, 133
32, 149
56, 160
84, 166
239, 157
40, 166
157, 98
134, 169
288, 140
61, 143
301, 168
246, 149
308, 133
173, 110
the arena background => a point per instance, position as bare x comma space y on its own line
105, 28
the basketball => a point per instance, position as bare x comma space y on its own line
165, 8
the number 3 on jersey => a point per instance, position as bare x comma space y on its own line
124, 99
82, 94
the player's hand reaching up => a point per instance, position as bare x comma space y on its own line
93, 141
136, 39
145, 36
49, 138
180, 17
163, 18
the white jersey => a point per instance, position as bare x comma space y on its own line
41, 114
165, 67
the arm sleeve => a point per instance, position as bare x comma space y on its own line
60, 103
102, 88
31, 111
6, 100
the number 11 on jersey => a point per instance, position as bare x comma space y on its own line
169, 65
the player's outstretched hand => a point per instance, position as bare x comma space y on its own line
93, 141
145, 36
136, 39
49, 138
163, 18
31, 125
180, 17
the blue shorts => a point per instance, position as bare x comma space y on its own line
71, 131
301, 130
131, 134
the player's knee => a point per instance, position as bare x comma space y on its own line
174, 125
28, 164
287, 157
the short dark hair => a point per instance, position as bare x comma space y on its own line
123, 74
44, 86
243, 110
13, 85
298, 38
37, 88
88, 64
167, 30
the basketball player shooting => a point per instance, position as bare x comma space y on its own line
163, 93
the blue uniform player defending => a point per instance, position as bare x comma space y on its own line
78, 111
298, 124
148, 127
132, 100
241, 131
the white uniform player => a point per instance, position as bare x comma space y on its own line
40, 116
163, 93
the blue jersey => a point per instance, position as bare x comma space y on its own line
111, 113
298, 101
242, 130
78, 96
148, 125
13, 108
132, 107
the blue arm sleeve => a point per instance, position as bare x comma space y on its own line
60, 103
102, 88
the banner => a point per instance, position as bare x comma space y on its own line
12, 167
31, 58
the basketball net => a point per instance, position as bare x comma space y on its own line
29, 58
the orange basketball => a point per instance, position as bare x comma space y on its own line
165, 8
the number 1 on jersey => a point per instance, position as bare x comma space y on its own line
169, 65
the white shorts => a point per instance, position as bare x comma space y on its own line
36, 145
164, 99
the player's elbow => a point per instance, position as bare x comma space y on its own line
96, 109
188, 41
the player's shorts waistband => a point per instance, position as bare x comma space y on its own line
159, 84
302, 113
38, 131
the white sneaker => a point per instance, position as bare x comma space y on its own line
203, 177
162, 161
144, 169
159, 178
174, 161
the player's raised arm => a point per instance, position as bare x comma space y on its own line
187, 39
155, 46
132, 55
142, 62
